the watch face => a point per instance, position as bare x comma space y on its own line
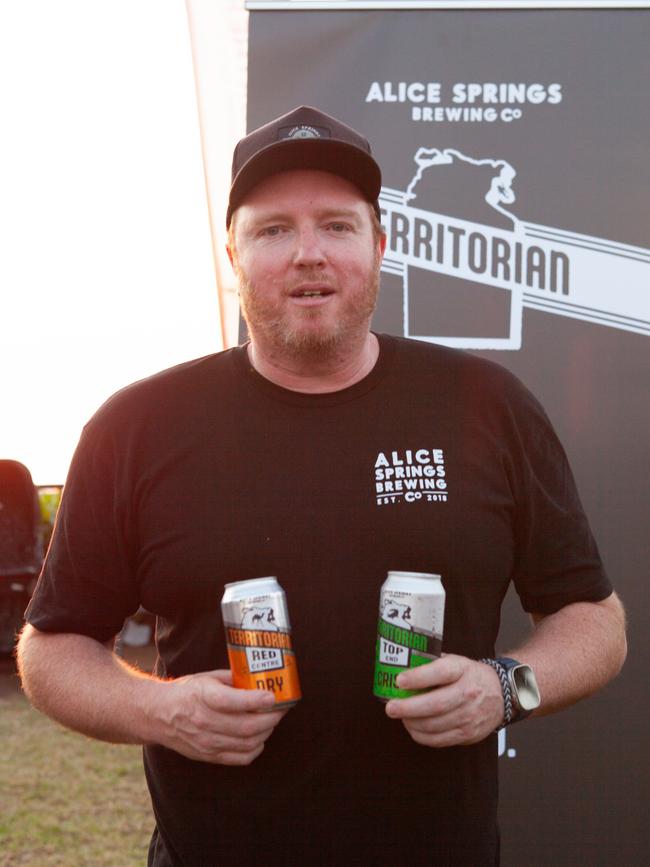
526, 688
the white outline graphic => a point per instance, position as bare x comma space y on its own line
544, 268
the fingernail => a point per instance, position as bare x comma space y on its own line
390, 709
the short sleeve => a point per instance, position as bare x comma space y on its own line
87, 582
557, 561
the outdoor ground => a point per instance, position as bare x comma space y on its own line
65, 800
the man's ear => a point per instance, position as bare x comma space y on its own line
230, 255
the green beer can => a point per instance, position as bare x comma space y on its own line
409, 629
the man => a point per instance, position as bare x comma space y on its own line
264, 460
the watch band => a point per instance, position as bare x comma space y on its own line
505, 689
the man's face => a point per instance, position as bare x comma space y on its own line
307, 258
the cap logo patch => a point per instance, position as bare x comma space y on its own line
303, 131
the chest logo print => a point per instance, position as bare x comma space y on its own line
410, 476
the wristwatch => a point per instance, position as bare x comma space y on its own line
519, 686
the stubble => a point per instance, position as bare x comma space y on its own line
309, 334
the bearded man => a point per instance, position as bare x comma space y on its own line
265, 459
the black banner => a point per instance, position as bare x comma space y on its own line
516, 189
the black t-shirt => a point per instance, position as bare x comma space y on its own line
208, 473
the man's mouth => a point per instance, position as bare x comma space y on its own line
311, 293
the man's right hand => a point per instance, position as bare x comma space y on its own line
84, 686
206, 719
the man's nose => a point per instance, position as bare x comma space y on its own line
309, 250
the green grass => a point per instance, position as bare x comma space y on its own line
66, 800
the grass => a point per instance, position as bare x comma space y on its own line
66, 800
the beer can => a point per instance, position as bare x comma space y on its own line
258, 637
409, 629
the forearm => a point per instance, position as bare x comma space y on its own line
575, 651
86, 687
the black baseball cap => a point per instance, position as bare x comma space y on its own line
305, 138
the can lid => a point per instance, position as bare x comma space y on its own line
253, 586
428, 576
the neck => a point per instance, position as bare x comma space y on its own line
316, 375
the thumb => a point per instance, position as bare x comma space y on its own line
238, 700
222, 675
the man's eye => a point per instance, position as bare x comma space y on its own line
270, 231
339, 227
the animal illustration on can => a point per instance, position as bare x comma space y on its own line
258, 638
409, 629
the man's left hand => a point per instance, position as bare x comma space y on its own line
463, 706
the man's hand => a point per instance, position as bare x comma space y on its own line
206, 719
464, 705
573, 652
84, 686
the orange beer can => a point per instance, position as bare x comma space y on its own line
258, 637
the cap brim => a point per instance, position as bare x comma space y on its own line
327, 155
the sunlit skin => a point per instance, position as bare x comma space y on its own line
307, 258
